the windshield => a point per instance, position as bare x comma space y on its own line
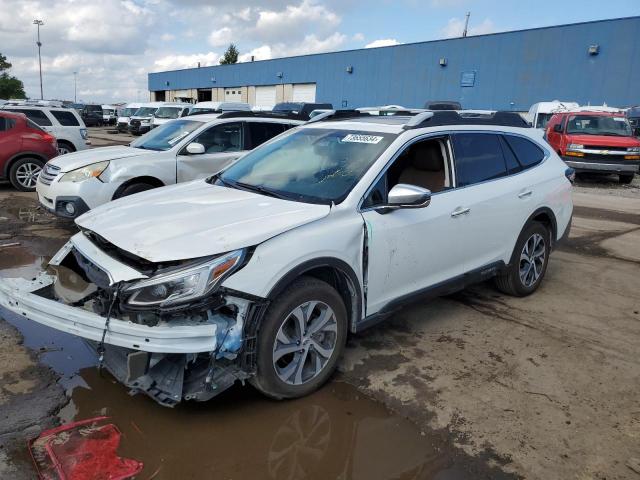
309, 165
107, 112
543, 119
168, 112
145, 111
201, 110
128, 112
599, 125
166, 136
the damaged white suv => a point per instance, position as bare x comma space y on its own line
260, 272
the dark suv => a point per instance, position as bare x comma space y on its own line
92, 115
300, 108
24, 149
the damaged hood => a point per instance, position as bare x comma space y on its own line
195, 219
72, 161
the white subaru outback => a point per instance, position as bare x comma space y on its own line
261, 271
177, 151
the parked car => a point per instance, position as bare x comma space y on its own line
218, 107
170, 112
141, 121
92, 115
597, 142
301, 109
63, 123
178, 151
540, 113
260, 272
109, 115
443, 105
125, 116
24, 149
633, 114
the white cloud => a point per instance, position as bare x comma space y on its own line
383, 42
167, 37
222, 37
455, 27
358, 37
295, 21
260, 53
176, 62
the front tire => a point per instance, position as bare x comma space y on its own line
300, 340
131, 189
528, 263
23, 174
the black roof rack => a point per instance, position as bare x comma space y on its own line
245, 114
452, 117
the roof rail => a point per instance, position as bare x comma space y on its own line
339, 115
452, 117
244, 114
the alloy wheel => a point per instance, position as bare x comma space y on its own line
63, 150
27, 175
305, 342
532, 260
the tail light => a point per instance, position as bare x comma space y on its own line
570, 173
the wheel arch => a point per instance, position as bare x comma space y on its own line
21, 155
545, 216
148, 179
67, 142
336, 273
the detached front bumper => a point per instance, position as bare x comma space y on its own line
17, 295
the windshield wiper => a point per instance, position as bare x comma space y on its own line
258, 189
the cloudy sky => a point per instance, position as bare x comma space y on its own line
113, 44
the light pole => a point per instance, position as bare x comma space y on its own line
38, 23
75, 78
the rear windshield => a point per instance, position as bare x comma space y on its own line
599, 125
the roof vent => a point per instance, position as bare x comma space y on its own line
443, 62
349, 69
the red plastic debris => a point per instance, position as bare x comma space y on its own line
82, 450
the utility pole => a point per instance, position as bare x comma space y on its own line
466, 24
75, 89
38, 23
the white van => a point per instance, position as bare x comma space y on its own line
169, 112
219, 107
540, 113
140, 121
109, 114
125, 115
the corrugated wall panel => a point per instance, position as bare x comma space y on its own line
522, 67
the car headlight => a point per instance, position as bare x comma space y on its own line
146, 120
85, 173
186, 284
575, 146
633, 149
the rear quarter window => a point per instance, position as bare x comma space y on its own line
478, 158
37, 116
66, 119
528, 153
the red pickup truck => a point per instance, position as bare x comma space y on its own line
599, 142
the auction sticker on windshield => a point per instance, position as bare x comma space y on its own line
357, 138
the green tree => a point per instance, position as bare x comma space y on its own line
230, 56
10, 87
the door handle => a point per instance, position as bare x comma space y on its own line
525, 194
460, 211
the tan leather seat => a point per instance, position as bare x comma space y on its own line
426, 168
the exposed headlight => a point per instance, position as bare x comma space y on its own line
183, 285
633, 149
575, 146
85, 173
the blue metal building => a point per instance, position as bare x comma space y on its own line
590, 63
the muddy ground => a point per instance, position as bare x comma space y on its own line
475, 385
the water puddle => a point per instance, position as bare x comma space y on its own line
336, 433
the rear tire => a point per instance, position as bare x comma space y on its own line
528, 263
23, 174
133, 188
625, 179
308, 321
64, 148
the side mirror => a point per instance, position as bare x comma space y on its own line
403, 195
195, 148
557, 128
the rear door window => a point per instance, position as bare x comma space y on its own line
37, 116
66, 119
478, 158
226, 137
527, 152
260, 132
